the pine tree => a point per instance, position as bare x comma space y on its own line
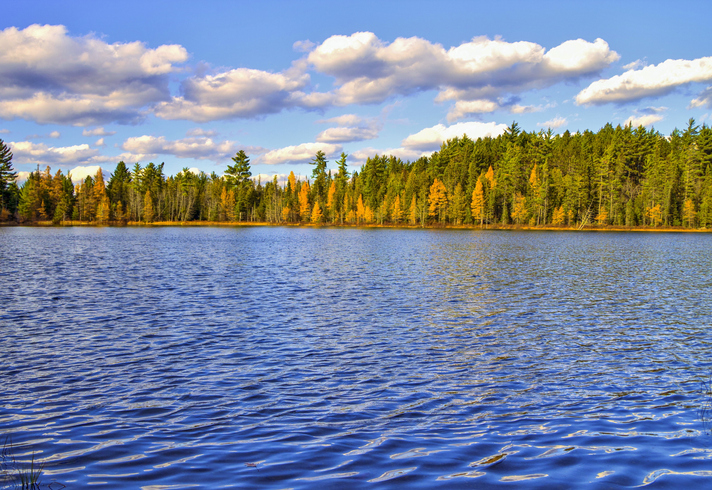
8, 189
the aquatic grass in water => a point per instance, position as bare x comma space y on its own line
21, 476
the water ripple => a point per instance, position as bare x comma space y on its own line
279, 357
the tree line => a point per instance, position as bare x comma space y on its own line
621, 176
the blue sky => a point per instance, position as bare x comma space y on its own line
86, 84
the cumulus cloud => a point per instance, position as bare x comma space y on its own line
300, 153
201, 148
80, 173
463, 108
48, 76
27, 152
555, 123
368, 70
643, 120
238, 93
22, 176
703, 100
431, 138
100, 142
100, 131
650, 81
353, 128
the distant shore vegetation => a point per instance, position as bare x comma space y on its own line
618, 177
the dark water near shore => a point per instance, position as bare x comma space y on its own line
341, 358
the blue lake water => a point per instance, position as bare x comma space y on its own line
163, 358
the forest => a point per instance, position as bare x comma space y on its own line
620, 176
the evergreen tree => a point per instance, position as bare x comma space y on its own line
8, 188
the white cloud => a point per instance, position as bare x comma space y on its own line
464, 108
299, 154
201, 132
303, 46
27, 152
432, 138
238, 93
643, 120
703, 100
48, 76
555, 123
100, 142
4, 131
634, 65
80, 173
344, 135
100, 131
368, 70
201, 148
353, 128
650, 81
22, 176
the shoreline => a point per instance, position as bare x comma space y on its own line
498, 227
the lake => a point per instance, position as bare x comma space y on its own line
269, 357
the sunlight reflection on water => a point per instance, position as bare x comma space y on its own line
283, 357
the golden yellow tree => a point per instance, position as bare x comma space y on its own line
331, 200
478, 202
558, 217
602, 217
689, 214
437, 199
368, 214
397, 213
230, 206
490, 177
119, 211
360, 210
304, 202
285, 213
293, 181
317, 216
148, 207
519, 211
655, 215
413, 213
102, 209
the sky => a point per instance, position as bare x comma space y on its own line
86, 84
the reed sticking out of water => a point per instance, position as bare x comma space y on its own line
24, 478
705, 411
